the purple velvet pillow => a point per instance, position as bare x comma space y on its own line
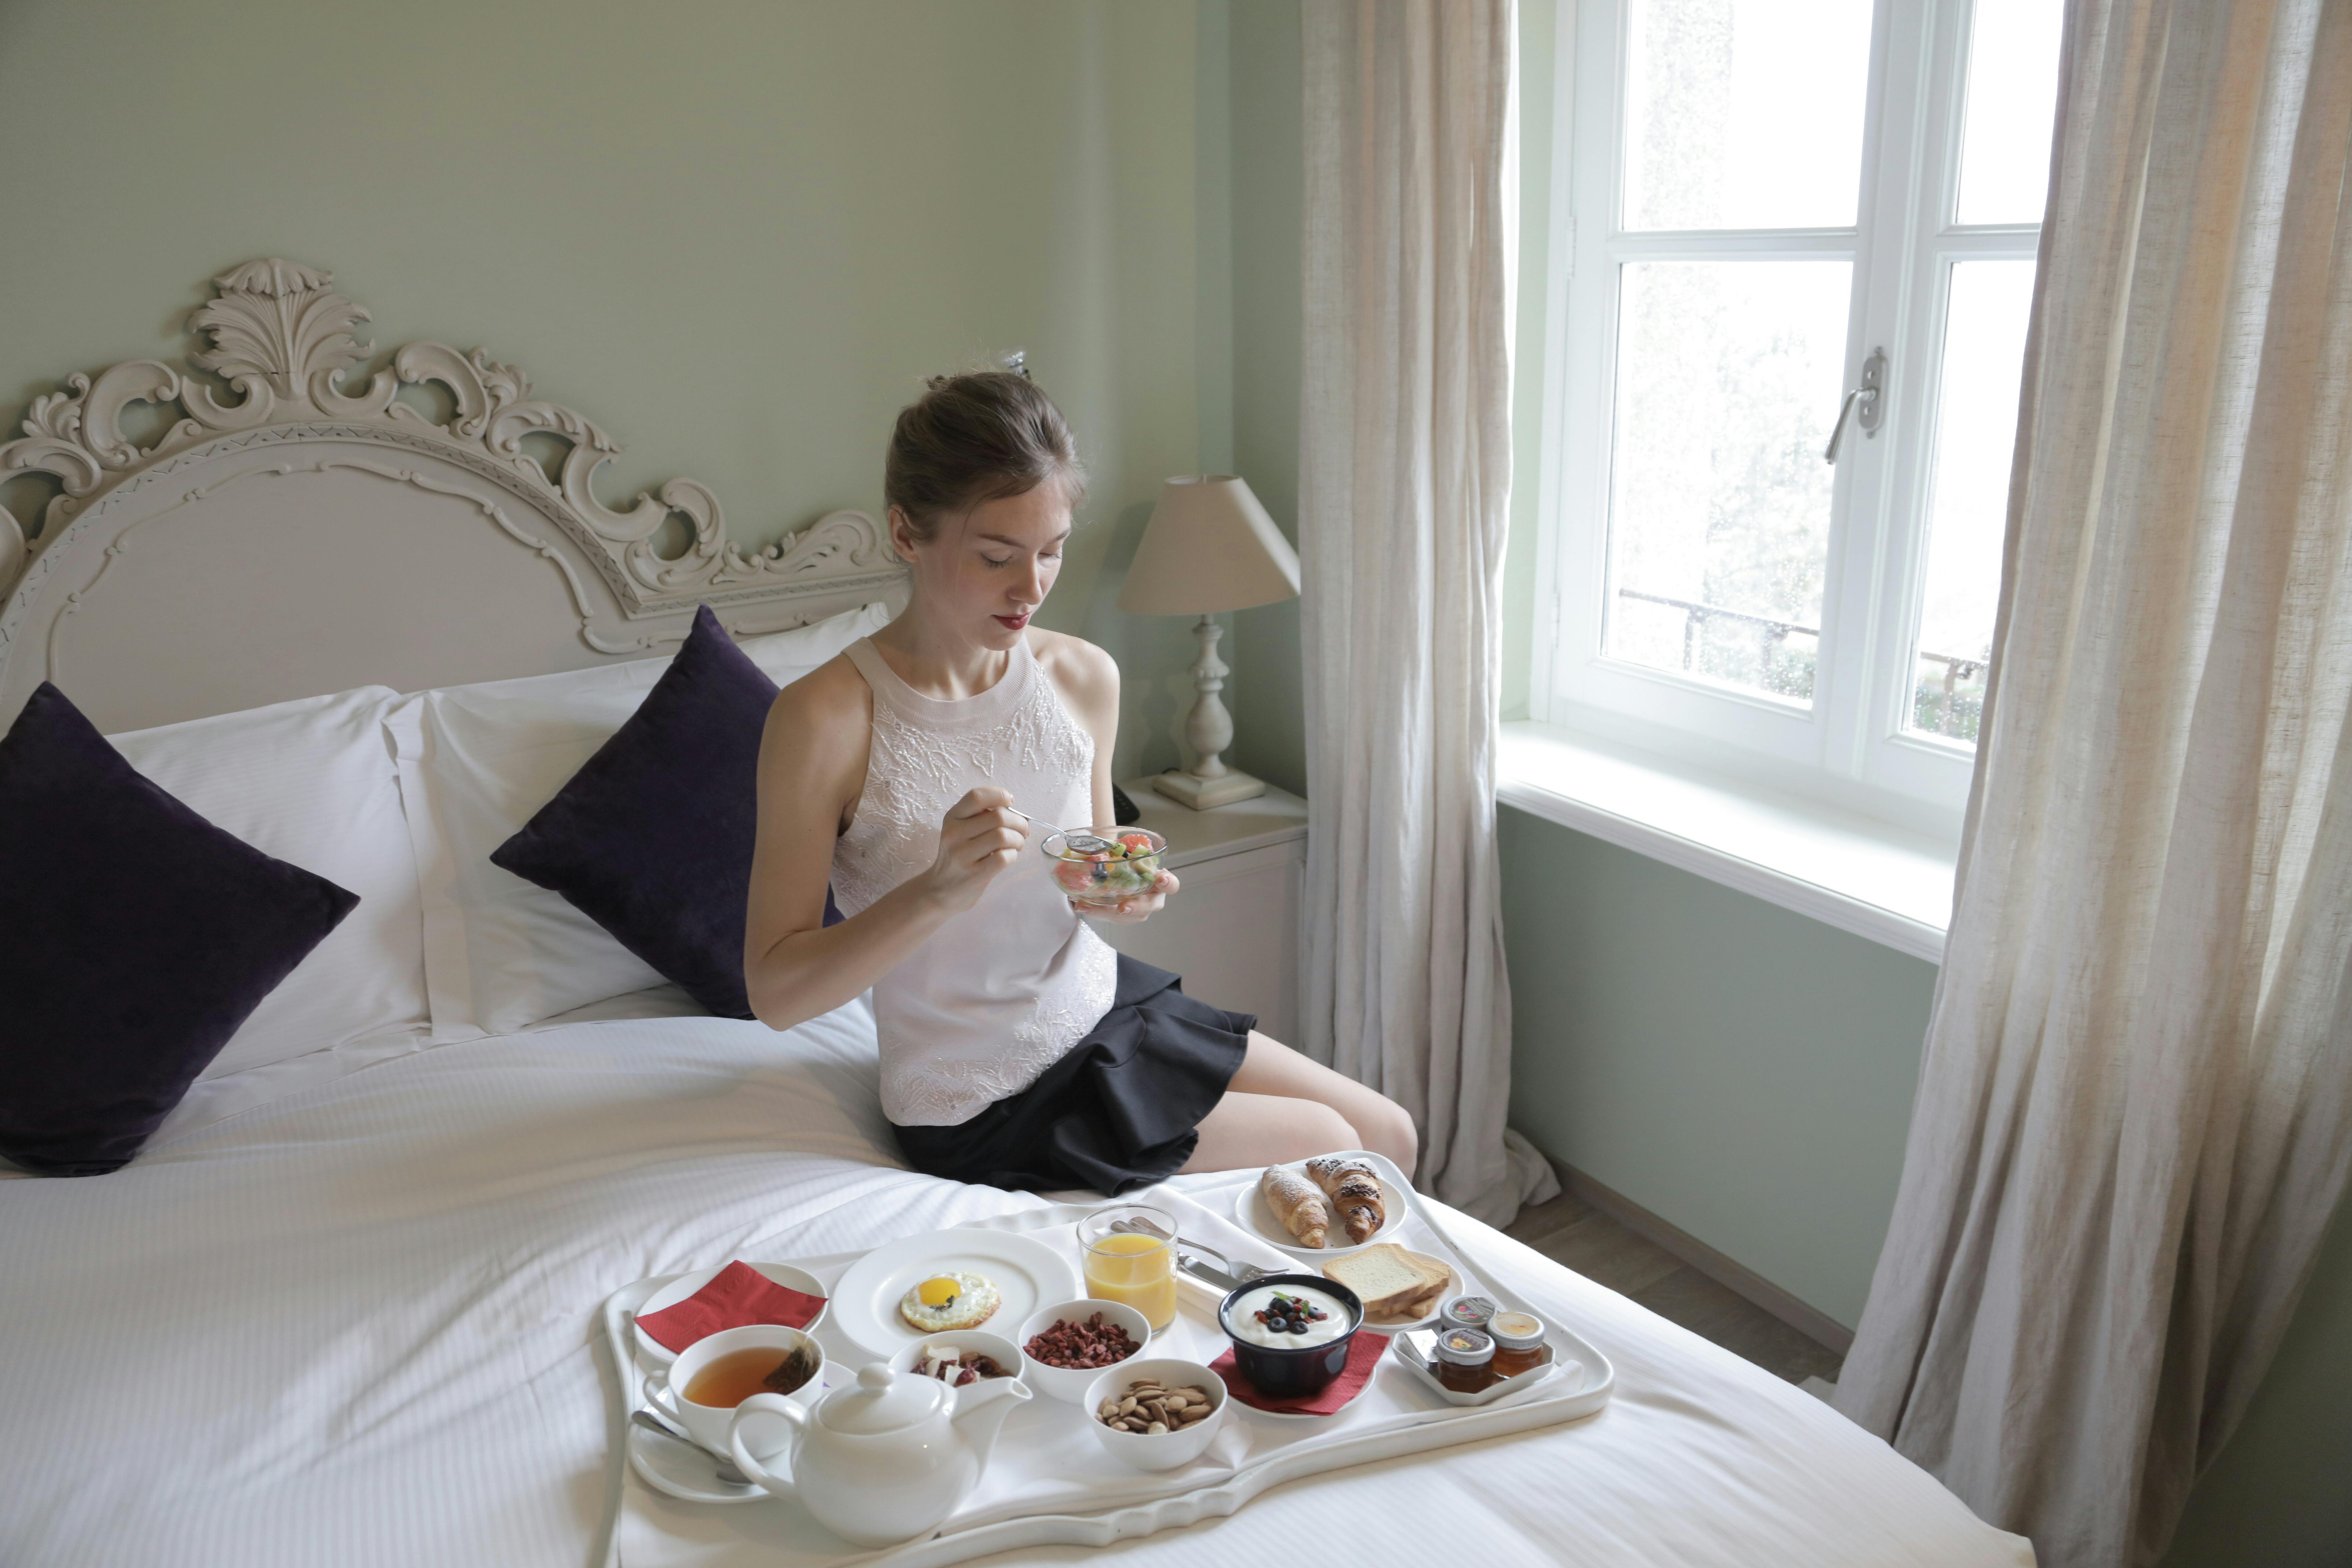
134, 938
652, 837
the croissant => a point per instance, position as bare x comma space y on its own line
1296, 1203
1354, 1188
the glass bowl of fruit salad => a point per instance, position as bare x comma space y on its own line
1104, 864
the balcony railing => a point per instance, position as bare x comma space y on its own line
1775, 632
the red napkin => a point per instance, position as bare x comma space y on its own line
740, 1294
1363, 1355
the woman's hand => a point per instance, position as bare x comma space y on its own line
978, 838
1136, 908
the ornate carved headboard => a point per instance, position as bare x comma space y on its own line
298, 536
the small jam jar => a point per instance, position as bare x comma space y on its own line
1466, 1313
1519, 1342
1465, 1361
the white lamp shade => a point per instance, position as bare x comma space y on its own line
1209, 547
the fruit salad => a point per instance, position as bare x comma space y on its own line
1129, 866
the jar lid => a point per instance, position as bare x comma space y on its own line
1469, 1312
1516, 1331
1464, 1347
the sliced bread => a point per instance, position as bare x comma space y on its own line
1388, 1279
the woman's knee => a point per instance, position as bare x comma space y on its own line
1321, 1126
1386, 1128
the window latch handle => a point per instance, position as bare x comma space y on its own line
1865, 402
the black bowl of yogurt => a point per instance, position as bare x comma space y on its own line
1289, 1353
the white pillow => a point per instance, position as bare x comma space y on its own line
311, 782
475, 763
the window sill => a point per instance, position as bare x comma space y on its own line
1842, 869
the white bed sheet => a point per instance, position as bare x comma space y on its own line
355, 1324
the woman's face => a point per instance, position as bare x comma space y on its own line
981, 578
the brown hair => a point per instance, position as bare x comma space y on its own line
977, 438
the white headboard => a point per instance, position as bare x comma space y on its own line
302, 538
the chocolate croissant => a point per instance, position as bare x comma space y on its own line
1296, 1203
1354, 1189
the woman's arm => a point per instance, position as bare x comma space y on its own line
813, 760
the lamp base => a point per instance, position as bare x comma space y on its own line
1207, 794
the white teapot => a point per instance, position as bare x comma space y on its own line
882, 1461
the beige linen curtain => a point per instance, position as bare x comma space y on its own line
1404, 484
2132, 1125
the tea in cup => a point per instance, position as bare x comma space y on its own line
701, 1389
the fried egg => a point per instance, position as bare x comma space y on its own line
949, 1301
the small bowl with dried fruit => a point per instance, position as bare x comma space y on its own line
1064, 1349
961, 1358
1156, 1414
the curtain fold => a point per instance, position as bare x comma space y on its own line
1410, 235
2135, 1112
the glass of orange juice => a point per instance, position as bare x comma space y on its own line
1130, 1267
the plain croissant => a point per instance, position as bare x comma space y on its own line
1354, 1188
1296, 1203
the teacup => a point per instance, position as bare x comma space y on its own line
707, 1424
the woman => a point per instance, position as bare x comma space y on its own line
1017, 1048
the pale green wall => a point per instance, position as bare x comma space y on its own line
1740, 1070
736, 233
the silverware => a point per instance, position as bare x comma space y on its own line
726, 1467
1075, 840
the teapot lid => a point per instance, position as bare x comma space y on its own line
882, 1401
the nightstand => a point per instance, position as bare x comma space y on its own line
1232, 931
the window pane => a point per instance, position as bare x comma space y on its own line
1968, 505
1744, 113
1727, 378
2012, 100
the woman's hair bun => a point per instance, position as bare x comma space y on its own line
973, 437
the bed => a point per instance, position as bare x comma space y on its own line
342, 1308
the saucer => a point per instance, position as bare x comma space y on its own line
682, 1470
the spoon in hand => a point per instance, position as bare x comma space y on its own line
1077, 840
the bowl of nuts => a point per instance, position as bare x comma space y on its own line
1064, 1349
1156, 1414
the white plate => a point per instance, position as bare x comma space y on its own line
654, 1354
682, 1470
1027, 1275
1249, 1207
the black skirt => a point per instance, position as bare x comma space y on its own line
1120, 1109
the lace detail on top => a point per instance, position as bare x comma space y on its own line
915, 773
999, 992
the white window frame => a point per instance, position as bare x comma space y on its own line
1853, 749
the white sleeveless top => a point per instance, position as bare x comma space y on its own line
1001, 991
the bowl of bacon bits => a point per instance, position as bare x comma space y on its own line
1065, 1349
963, 1358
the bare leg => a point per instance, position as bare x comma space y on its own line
1281, 1106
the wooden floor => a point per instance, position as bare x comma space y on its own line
1571, 1232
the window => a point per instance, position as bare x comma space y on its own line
1790, 221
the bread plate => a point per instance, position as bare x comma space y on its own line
1396, 1201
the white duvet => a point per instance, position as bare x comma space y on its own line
356, 1324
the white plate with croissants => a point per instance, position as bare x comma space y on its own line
1328, 1206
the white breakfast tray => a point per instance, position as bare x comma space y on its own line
1049, 1482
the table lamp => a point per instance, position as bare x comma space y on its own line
1209, 547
